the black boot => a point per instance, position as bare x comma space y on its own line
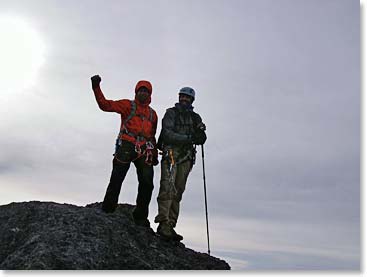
164, 230
142, 222
175, 236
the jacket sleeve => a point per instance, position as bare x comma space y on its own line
154, 128
200, 135
169, 135
120, 106
155, 122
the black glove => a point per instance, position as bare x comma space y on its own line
201, 126
199, 137
96, 79
155, 160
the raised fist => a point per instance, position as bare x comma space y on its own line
96, 79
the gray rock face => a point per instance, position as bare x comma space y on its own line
47, 235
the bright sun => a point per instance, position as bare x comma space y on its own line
21, 54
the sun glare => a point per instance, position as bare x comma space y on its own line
21, 54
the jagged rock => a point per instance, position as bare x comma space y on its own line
48, 235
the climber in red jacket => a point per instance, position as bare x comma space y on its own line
135, 143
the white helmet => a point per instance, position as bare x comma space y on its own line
188, 91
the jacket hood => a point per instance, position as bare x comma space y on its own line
148, 85
143, 83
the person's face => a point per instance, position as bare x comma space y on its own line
184, 99
142, 94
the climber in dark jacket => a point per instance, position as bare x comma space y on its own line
182, 129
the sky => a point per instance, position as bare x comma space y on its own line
277, 85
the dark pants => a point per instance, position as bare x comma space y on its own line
145, 177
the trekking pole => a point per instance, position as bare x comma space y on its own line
206, 204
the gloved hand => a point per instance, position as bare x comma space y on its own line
155, 161
96, 79
155, 157
198, 137
201, 126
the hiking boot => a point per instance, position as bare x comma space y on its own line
142, 222
108, 208
165, 230
175, 236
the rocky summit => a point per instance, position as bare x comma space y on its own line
48, 235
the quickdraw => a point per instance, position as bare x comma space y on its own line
141, 150
138, 148
172, 171
173, 167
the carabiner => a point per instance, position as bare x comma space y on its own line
137, 148
149, 145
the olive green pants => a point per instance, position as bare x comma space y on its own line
172, 186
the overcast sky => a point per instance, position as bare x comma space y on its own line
278, 86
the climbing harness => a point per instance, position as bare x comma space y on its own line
142, 145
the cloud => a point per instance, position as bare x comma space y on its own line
257, 244
278, 89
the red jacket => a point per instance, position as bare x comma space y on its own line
136, 125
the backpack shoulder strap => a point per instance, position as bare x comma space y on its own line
175, 111
150, 114
195, 118
132, 112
